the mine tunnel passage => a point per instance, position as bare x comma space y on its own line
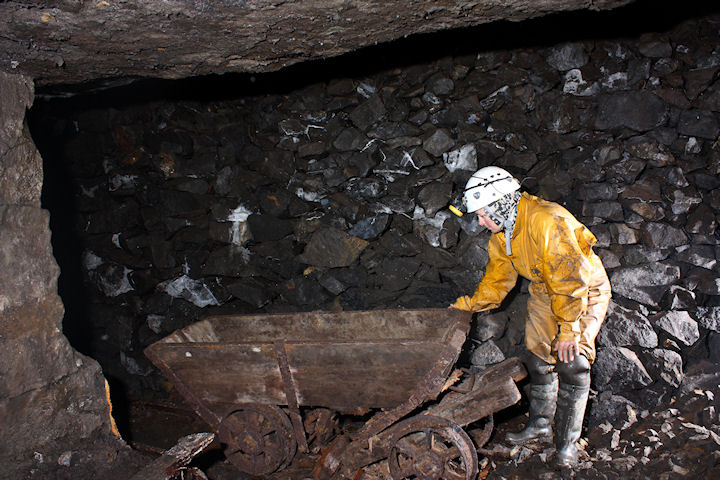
289, 193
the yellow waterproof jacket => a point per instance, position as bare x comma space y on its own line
569, 290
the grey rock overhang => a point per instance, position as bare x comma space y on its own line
73, 41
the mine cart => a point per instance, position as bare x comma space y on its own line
265, 383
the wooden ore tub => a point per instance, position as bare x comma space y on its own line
252, 377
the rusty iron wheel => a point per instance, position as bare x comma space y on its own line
259, 439
431, 448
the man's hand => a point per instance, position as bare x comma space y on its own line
451, 307
567, 350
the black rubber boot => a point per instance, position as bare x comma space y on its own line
543, 396
571, 402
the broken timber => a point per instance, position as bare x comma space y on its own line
493, 390
172, 463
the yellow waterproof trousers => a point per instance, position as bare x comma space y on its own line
540, 334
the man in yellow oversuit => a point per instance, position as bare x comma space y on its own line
569, 296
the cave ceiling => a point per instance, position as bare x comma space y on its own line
76, 41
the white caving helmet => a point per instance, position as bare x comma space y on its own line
486, 186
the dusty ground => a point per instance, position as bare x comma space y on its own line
679, 439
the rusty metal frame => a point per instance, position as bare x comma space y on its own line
291, 396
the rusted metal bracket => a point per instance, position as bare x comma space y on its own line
171, 464
471, 382
291, 396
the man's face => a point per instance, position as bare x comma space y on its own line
484, 220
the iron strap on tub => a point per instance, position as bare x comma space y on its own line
291, 396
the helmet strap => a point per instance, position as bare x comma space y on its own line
509, 227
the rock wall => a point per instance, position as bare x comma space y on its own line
333, 195
53, 405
